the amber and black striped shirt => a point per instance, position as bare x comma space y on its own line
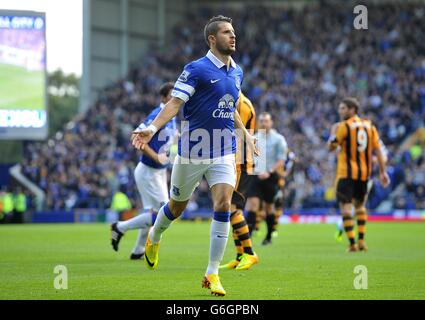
357, 138
244, 158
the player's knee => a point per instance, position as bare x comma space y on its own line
268, 208
359, 205
345, 213
222, 205
177, 207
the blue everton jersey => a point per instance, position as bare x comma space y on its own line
210, 92
160, 142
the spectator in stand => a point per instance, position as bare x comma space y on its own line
292, 71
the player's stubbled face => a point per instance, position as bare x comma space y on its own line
226, 38
343, 111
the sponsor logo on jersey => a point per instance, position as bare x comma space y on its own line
176, 191
225, 108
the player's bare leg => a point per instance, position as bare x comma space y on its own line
245, 256
220, 225
346, 211
238, 245
361, 216
167, 214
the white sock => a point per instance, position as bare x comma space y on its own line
339, 225
218, 239
163, 221
141, 240
135, 223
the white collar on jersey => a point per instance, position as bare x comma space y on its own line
161, 105
218, 63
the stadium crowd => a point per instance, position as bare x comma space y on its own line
298, 64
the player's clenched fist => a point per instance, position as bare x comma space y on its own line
385, 179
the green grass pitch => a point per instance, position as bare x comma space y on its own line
21, 89
304, 262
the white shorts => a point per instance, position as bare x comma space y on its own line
152, 186
187, 174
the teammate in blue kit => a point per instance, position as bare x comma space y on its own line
151, 179
209, 89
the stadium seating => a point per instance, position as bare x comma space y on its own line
297, 66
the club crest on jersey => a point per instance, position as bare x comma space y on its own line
176, 191
183, 77
238, 82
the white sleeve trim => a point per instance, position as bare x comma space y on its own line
185, 87
180, 95
140, 127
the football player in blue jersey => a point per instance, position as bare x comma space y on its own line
208, 90
151, 179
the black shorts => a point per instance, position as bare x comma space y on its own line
349, 189
239, 195
266, 189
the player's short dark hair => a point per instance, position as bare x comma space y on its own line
211, 28
264, 114
351, 103
165, 89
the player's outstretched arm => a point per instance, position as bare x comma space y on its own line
170, 110
167, 113
383, 175
251, 141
